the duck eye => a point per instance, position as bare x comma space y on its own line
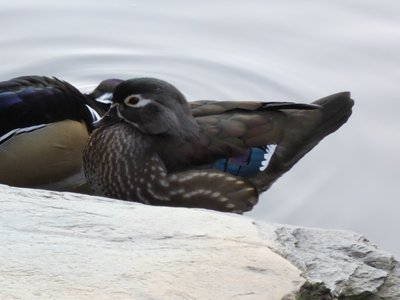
131, 101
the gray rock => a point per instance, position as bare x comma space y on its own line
72, 246
337, 264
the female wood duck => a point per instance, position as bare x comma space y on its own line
155, 148
44, 126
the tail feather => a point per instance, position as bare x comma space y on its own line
336, 110
307, 129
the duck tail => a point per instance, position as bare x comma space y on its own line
336, 110
306, 129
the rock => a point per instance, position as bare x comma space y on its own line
72, 246
337, 264
57, 245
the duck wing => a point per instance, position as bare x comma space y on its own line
260, 141
30, 101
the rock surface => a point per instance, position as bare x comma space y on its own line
337, 264
72, 246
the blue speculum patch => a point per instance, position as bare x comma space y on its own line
249, 164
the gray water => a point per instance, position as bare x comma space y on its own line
254, 50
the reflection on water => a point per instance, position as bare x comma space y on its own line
263, 50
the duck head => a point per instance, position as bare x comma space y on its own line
153, 106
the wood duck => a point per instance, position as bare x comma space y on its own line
44, 126
155, 148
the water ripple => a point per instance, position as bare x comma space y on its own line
197, 77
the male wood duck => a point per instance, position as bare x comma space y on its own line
44, 126
155, 148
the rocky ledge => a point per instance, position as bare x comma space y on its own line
72, 246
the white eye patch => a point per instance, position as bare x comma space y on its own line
136, 101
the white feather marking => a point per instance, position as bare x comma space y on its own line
187, 177
106, 98
19, 131
156, 195
176, 192
267, 156
95, 115
164, 183
230, 178
140, 196
194, 193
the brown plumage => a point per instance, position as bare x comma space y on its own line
152, 147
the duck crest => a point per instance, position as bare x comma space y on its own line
209, 154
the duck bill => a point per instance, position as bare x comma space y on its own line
110, 117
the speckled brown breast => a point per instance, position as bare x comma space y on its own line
119, 163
